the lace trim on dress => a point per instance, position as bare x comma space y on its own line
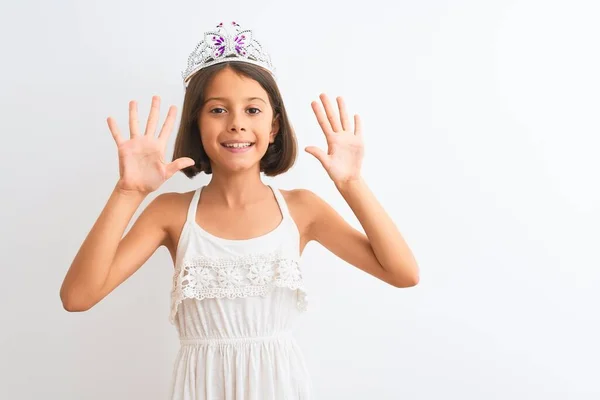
248, 275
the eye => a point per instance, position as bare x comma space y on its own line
218, 110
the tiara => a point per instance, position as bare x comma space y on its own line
223, 45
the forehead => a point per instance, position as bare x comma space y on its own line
228, 83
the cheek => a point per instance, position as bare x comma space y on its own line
208, 132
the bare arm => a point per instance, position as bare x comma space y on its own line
381, 252
105, 259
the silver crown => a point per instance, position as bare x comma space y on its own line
226, 44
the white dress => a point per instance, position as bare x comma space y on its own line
234, 304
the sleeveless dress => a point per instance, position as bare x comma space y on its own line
234, 304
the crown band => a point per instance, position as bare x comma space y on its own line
224, 45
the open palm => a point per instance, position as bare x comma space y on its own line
345, 147
141, 158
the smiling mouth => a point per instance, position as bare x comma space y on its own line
237, 145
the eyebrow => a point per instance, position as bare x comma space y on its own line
224, 99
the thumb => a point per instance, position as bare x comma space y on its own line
178, 165
317, 153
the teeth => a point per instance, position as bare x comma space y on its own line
238, 145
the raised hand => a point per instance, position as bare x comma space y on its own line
141, 158
345, 147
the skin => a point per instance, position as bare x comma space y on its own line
235, 193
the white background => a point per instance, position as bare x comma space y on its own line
481, 130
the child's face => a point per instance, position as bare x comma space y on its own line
236, 109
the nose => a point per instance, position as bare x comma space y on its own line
236, 123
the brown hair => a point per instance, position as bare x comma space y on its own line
280, 155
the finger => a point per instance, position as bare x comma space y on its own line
178, 165
321, 118
333, 119
114, 130
357, 126
343, 114
318, 154
167, 127
153, 116
133, 119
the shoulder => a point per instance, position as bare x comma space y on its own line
306, 208
298, 195
166, 204
301, 198
170, 209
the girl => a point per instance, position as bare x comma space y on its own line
235, 242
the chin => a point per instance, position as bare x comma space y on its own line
239, 165
238, 169
236, 162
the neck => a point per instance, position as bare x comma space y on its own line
235, 190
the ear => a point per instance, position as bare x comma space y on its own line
274, 129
